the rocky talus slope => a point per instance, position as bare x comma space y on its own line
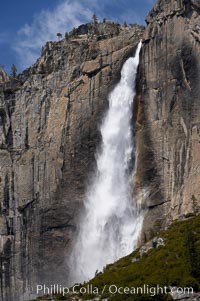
49, 117
168, 112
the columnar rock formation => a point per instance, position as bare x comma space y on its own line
49, 118
3, 76
168, 112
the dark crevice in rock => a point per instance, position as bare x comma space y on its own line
9, 138
95, 72
159, 204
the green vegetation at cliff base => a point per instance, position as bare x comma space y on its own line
176, 264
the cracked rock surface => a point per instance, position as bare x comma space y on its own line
168, 112
49, 119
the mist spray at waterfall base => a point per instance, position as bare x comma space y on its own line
112, 221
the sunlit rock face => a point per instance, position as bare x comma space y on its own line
168, 112
49, 131
3, 76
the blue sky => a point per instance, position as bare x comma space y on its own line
26, 25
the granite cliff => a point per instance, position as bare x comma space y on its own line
49, 117
168, 113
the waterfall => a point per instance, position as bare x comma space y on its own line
112, 222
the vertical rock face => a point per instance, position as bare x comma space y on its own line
3, 76
168, 111
49, 119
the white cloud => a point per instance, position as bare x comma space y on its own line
66, 15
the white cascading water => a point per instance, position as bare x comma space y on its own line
112, 222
